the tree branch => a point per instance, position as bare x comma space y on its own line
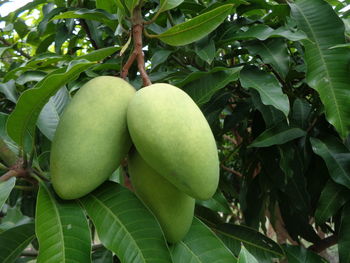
85, 26
324, 244
20, 51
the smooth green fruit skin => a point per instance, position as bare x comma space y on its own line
173, 208
174, 138
91, 138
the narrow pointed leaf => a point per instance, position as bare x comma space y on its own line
91, 14
125, 226
195, 28
336, 157
50, 115
246, 257
30, 103
169, 4
327, 69
99, 54
344, 235
201, 245
257, 244
14, 240
270, 90
9, 90
203, 88
5, 190
131, 4
332, 198
299, 254
279, 134
62, 229
272, 51
301, 113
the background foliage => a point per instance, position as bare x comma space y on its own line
271, 77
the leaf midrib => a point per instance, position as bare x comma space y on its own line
120, 223
325, 66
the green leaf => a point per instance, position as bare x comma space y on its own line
195, 28
216, 203
29, 76
91, 14
201, 245
299, 254
111, 6
159, 57
301, 113
14, 241
278, 134
9, 90
21, 28
131, 4
203, 85
336, 157
272, 51
102, 255
125, 226
270, 90
327, 69
263, 32
61, 228
205, 49
31, 102
99, 54
169, 4
344, 235
5, 190
50, 115
246, 257
333, 197
258, 245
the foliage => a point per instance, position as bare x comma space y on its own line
271, 77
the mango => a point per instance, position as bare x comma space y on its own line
173, 208
91, 138
173, 137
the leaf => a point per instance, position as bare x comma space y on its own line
5, 190
61, 228
327, 69
159, 57
205, 49
257, 244
9, 90
205, 84
110, 6
201, 245
195, 28
278, 134
102, 255
131, 4
169, 4
270, 90
272, 51
344, 235
263, 32
125, 226
216, 203
99, 54
299, 254
333, 197
90, 14
14, 240
301, 113
29, 76
31, 102
50, 115
246, 257
336, 157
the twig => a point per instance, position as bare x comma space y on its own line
6, 43
231, 170
137, 53
324, 244
88, 32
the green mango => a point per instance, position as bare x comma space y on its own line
173, 208
91, 138
173, 137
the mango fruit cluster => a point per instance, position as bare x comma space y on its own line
174, 160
